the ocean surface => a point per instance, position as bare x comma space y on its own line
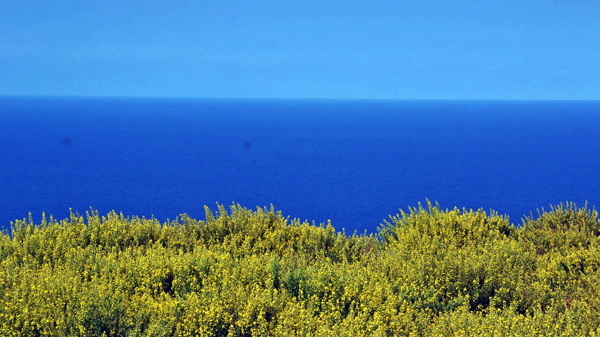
353, 162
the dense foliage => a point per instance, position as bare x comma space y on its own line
428, 272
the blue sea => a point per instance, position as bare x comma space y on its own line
354, 162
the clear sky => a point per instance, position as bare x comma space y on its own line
415, 49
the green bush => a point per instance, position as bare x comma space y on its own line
428, 272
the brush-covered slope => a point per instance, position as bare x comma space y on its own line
428, 272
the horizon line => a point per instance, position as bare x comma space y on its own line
293, 98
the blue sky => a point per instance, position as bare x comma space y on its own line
460, 49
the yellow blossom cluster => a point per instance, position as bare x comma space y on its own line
428, 272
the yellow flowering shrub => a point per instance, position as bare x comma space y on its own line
428, 272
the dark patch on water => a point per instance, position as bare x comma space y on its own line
67, 141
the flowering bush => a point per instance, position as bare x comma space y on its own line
243, 273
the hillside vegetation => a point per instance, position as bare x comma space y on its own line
428, 272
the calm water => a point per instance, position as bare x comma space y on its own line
354, 162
